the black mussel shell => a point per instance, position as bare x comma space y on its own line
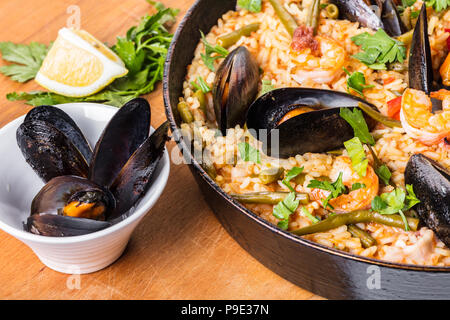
420, 65
63, 190
358, 11
48, 151
235, 87
62, 226
315, 131
136, 176
125, 132
431, 184
393, 24
64, 123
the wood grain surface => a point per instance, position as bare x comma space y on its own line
180, 250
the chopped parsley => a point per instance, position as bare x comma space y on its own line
285, 208
356, 119
208, 57
379, 49
396, 201
250, 5
357, 82
305, 212
266, 86
336, 189
249, 153
438, 5
357, 186
357, 154
201, 84
291, 174
384, 173
405, 4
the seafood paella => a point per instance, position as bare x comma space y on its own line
331, 120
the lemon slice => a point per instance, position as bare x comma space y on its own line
79, 65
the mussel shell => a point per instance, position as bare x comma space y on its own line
393, 24
358, 11
62, 226
137, 175
315, 131
64, 123
125, 132
237, 77
420, 65
48, 151
59, 191
431, 184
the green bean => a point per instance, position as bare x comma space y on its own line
406, 38
201, 99
227, 40
332, 11
286, 19
388, 122
268, 197
336, 152
366, 216
208, 166
300, 179
185, 114
270, 175
377, 163
366, 239
312, 20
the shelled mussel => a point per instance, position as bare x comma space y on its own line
88, 191
301, 120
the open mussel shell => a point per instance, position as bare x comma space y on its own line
393, 24
64, 123
62, 226
136, 176
320, 129
73, 196
48, 151
358, 11
431, 184
235, 87
420, 65
125, 132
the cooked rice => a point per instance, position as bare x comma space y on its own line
270, 47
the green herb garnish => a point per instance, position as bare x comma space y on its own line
201, 85
438, 5
396, 201
379, 49
208, 57
249, 153
405, 4
143, 50
356, 119
266, 86
357, 154
357, 82
336, 189
357, 186
250, 5
384, 173
291, 174
26, 59
307, 214
284, 209
415, 14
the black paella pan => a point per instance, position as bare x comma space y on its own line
327, 272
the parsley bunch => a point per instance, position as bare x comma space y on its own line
143, 50
379, 49
336, 189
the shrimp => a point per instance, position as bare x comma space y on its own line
355, 200
322, 66
418, 120
445, 71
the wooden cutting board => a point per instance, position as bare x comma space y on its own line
180, 250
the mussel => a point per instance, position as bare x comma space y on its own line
360, 11
431, 183
306, 120
235, 87
75, 202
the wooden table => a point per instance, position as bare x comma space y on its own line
180, 250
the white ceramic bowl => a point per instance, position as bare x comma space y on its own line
19, 184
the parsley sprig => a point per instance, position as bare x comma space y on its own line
438, 5
212, 53
201, 84
357, 82
336, 188
250, 5
249, 153
379, 49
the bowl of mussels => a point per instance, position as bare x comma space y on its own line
79, 177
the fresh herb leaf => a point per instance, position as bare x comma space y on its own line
283, 224
291, 174
405, 4
384, 174
356, 119
411, 199
249, 153
207, 57
308, 215
250, 5
415, 14
285, 208
379, 49
357, 82
266, 86
26, 59
201, 85
357, 186
438, 5
357, 154
336, 189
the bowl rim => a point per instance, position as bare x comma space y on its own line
137, 213
243, 210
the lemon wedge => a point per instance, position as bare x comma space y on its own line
79, 65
